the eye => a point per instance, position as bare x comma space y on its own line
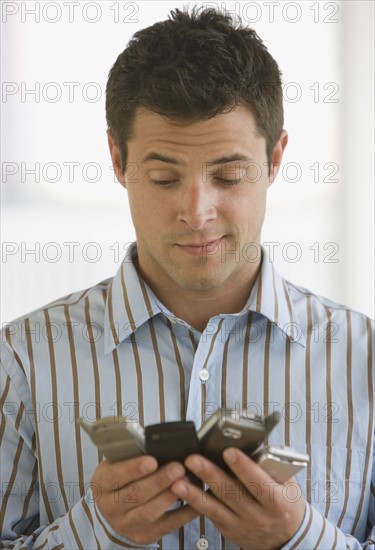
229, 174
163, 183
227, 182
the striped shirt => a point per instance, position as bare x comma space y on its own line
114, 349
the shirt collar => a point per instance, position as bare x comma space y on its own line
130, 302
271, 298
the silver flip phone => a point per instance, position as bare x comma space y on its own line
281, 463
116, 437
227, 428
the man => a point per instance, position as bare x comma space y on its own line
195, 319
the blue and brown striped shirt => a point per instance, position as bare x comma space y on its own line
114, 349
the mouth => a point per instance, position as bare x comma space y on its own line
204, 248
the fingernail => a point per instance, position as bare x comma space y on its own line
180, 490
175, 471
194, 463
148, 465
230, 456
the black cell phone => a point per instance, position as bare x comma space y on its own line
227, 428
170, 441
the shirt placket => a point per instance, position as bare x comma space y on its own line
204, 399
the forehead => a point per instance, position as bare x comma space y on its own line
236, 128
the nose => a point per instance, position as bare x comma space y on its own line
197, 205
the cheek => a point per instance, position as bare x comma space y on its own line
138, 208
248, 205
248, 215
147, 208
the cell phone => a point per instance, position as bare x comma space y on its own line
281, 462
171, 441
227, 428
117, 438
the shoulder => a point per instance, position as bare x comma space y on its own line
319, 313
301, 294
72, 301
52, 322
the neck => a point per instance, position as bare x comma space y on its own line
197, 307
198, 311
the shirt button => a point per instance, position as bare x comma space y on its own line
204, 375
202, 544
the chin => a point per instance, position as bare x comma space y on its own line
200, 284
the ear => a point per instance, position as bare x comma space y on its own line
116, 158
277, 155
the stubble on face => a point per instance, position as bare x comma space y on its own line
162, 233
204, 273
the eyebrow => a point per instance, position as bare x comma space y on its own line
170, 160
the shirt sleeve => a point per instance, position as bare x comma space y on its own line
83, 526
318, 533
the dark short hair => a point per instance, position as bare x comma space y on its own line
194, 66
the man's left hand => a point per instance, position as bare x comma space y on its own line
253, 510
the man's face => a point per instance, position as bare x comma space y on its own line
197, 195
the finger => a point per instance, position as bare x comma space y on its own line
156, 510
224, 487
176, 518
257, 482
207, 470
151, 521
147, 488
204, 503
111, 476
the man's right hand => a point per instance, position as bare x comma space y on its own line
135, 496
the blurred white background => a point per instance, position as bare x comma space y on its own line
65, 222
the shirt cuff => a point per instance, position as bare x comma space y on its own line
84, 526
316, 532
